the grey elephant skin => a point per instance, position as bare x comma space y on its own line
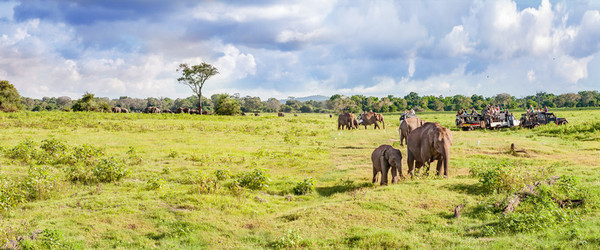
369, 118
407, 126
386, 158
347, 120
428, 143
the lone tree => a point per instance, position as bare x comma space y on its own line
195, 77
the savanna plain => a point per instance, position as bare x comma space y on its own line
100, 180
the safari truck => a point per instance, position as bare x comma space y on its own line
487, 121
469, 122
501, 120
532, 120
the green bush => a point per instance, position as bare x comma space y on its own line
106, 170
505, 177
25, 151
109, 170
155, 183
222, 174
256, 179
53, 152
206, 184
289, 240
11, 193
305, 186
39, 184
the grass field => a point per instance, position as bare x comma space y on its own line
93, 180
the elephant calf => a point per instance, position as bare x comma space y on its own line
384, 157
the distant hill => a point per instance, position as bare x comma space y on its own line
318, 98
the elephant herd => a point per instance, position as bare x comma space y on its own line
155, 110
425, 141
350, 121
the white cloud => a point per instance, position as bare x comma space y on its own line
531, 75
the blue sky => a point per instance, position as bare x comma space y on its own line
298, 48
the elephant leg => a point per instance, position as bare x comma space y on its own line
384, 170
374, 175
394, 175
439, 167
401, 138
377, 125
411, 164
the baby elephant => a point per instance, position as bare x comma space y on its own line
383, 157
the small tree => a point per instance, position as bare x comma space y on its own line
195, 77
10, 100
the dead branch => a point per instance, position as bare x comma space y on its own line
515, 199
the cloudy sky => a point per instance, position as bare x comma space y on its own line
272, 48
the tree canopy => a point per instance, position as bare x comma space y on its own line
195, 76
10, 100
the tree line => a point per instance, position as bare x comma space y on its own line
234, 104
227, 104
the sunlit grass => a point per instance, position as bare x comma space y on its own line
175, 194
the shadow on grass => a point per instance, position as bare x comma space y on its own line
353, 147
342, 186
470, 189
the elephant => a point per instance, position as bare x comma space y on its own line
243, 114
152, 110
428, 143
186, 110
116, 110
124, 110
369, 118
195, 111
347, 120
167, 111
380, 119
407, 126
256, 114
384, 157
204, 112
280, 114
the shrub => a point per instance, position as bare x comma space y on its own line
304, 187
10, 99
207, 185
53, 151
38, 184
109, 170
25, 151
289, 240
86, 153
134, 157
505, 177
256, 179
222, 174
106, 170
11, 193
155, 183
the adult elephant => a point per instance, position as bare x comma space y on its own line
408, 125
369, 118
380, 119
346, 120
116, 110
124, 110
280, 114
428, 143
384, 158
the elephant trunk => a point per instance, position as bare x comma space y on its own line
446, 156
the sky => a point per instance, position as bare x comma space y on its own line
273, 48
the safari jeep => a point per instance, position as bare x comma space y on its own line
532, 120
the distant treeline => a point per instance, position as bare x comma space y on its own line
335, 103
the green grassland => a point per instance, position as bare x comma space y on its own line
188, 181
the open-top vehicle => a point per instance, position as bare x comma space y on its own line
486, 121
534, 119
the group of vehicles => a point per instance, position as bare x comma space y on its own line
506, 120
